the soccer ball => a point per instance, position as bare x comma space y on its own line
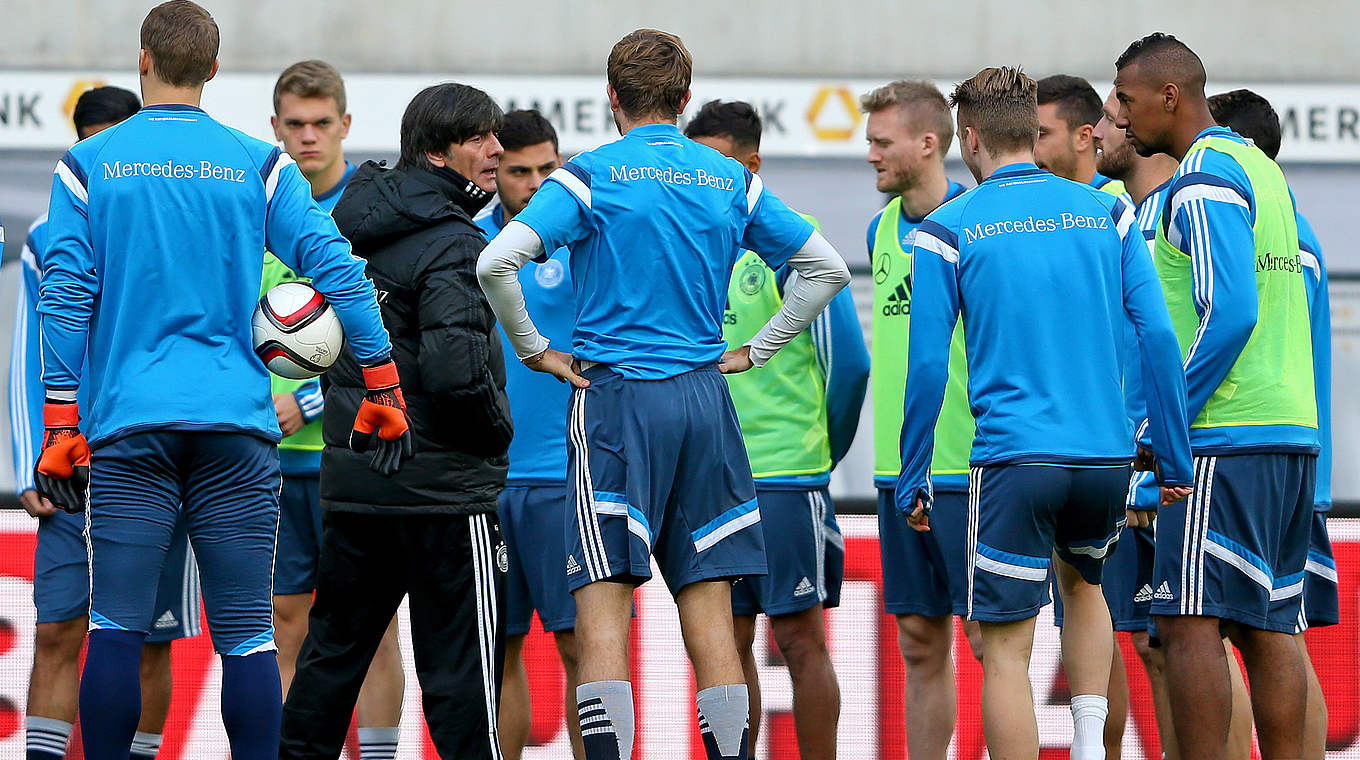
295, 331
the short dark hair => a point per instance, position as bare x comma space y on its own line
441, 115
311, 79
1000, 103
526, 127
1076, 99
104, 105
736, 120
182, 39
650, 72
1249, 115
1168, 58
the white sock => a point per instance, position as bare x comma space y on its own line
1088, 718
378, 743
145, 745
46, 735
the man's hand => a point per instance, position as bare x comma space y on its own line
919, 519
289, 413
1145, 461
1173, 494
383, 411
62, 474
1139, 518
736, 360
559, 365
36, 505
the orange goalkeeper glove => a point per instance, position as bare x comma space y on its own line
383, 412
63, 470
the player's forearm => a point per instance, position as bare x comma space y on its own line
1166, 405
821, 275
356, 305
840, 348
498, 273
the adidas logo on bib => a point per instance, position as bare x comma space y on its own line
803, 588
1144, 594
166, 621
572, 567
1163, 592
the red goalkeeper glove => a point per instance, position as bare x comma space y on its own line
63, 470
383, 412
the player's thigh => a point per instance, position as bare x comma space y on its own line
177, 592
1012, 510
1320, 599
915, 576
61, 569
540, 523
711, 528
134, 506
1089, 524
231, 493
299, 535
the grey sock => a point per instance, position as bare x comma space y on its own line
606, 711
724, 713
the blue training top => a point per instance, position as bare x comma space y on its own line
538, 401
1044, 271
156, 231
655, 222
1320, 319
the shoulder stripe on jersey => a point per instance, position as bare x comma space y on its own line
1221, 192
1310, 261
71, 180
1123, 217
939, 231
754, 187
280, 161
927, 241
578, 184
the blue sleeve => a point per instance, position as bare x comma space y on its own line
870, 236
310, 400
1320, 318
68, 284
304, 237
844, 362
1163, 390
773, 230
559, 212
1211, 221
934, 312
25, 376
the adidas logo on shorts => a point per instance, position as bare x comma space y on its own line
803, 588
572, 567
1163, 592
166, 621
1144, 594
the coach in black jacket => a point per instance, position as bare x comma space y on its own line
430, 530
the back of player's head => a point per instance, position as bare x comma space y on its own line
311, 79
1076, 99
526, 127
102, 106
182, 39
736, 120
1249, 115
650, 72
1165, 59
1000, 104
441, 115
923, 107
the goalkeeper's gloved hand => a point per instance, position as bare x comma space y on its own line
383, 412
63, 470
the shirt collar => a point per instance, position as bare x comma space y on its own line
173, 107
1018, 169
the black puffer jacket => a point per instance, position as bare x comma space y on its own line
414, 228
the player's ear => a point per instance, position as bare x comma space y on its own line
274, 125
613, 97
1083, 137
212, 72
685, 101
753, 162
143, 62
1171, 96
930, 142
344, 126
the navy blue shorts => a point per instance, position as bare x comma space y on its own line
1237, 547
61, 579
1127, 582
534, 525
659, 467
1320, 607
1019, 515
924, 573
228, 486
299, 535
804, 551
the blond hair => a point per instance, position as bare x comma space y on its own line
311, 79
1001, 103
650, 72
923, 107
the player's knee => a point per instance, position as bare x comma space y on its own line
155, 659
924, 641
799, 639
59, 641
567, 650
1150, 655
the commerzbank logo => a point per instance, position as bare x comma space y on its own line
833, 115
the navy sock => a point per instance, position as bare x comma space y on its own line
252, 708
111, 693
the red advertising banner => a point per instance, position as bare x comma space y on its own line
864, 649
